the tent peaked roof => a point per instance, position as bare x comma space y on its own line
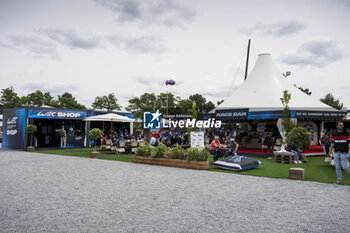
264, 87
109, 117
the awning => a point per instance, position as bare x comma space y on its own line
112, 117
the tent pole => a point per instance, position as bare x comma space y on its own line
111, 128
247, 62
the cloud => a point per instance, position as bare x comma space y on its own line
73, 39
165, 12
276, 29
139, 45
55, 88
33, 45
46, 41
316, 53
150, 81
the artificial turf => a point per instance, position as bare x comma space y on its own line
315, 169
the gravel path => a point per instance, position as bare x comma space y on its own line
49, 193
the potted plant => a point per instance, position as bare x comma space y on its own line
31, 129
95, 134
176, 157
298, 137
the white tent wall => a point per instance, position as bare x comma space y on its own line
263, 89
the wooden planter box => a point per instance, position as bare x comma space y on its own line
200, 165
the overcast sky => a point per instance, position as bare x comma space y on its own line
95, 47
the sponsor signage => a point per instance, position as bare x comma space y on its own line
14, 129
56, 114
268, 115
197, 139
319, 115
233, 114
152, 120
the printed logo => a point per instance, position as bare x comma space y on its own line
151, 120
12, 121
59, 114
11, 132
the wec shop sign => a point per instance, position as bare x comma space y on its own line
56, 114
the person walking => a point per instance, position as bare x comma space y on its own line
63, 135
341, 145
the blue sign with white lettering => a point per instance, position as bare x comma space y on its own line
14, 129
151, 120
56, 114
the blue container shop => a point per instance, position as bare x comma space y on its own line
49, 122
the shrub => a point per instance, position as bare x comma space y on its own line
193, 153
298, 137
168, 154
138, 131
159, 151
204, 155
96, 134
145, 150
178, 153
196, 154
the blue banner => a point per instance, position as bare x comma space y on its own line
13, 132
231, 114
268, 115
56, 114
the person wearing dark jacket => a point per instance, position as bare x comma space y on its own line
268, 142
295, 151
341, 145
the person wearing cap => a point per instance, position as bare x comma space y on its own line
232, 145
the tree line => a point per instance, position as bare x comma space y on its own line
137, 105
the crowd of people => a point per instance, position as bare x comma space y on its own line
170, 139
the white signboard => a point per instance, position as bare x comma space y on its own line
197, 139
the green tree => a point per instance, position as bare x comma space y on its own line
331, 101
96, 134
184, 106
146, 102
31, 129
194, 110
287, 123
9, 99
38, 99
194, 116
200, 101
109, 102
208, 107
48, 99
66, 100
165, 100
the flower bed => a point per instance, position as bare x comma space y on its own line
177, 157
200, 165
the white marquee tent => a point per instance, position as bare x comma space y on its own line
259, 98
263, 89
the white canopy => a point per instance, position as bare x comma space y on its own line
109, 117
347, 117
263, 89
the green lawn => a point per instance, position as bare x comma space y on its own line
315, 170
